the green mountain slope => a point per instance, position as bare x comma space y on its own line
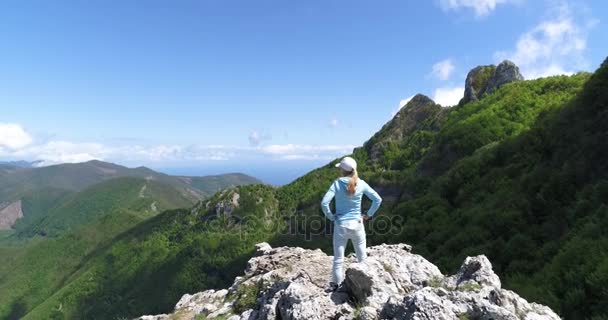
148, 267
77, 233
148, 197
41, 189
38, 267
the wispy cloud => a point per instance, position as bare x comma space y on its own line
256, 137
448, 96
333, 123
60, 152
56, 151
442, 70
553, 46
480, 7
13, 136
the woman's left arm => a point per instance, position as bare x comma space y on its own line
374, 197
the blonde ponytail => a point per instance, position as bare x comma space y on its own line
352, 183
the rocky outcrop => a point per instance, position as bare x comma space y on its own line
392, 283
476, 82
9, 214
504, 73
483, 80
227, 206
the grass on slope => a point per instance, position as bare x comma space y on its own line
135, 194
37, 205
34, 272
208, 185
148, 268
44, 188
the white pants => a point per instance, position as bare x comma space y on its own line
349, 230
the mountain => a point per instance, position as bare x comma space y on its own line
145, 267
520, 175
21, 163
36, 190
136, 194
7, 167
55, 232
73, 232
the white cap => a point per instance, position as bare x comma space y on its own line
347, 164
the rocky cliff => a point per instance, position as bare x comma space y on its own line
483, 80
9, 214
420, 114
393, 283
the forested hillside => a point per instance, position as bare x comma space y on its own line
64, 229
145, 269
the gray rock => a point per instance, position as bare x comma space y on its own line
390, 270
505, 72
156, 317
366, 313
393, 283
475, 270
300, 301
203, 302
476, 82
483, 80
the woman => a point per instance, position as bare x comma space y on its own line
348, 191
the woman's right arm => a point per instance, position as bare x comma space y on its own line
329, 195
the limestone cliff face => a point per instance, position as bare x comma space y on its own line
393, 283
483, 80
9, 214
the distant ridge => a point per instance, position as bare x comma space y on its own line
42, 188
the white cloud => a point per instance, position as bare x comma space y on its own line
554, 46
448, 96
481, 7
54, 152
13, 136
256, 138
298, 149
61, 152
333, 123
442, 70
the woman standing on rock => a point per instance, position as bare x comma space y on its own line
348, 191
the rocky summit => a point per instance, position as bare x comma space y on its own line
392, 283
483, 80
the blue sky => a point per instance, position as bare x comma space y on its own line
273, 88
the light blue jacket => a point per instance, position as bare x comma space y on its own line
349, 206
